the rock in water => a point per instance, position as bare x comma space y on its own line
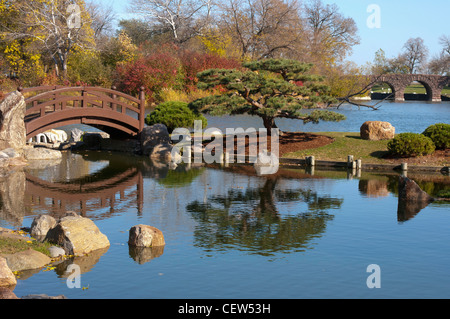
377, 130
12, 125
411, 199
408, 190
7, 277
28, 259
77, 235
153, 135
41, 153
145, 236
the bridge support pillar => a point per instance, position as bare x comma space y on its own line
399, 96
436, 96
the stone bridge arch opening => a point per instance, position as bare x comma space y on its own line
418, 91
382, 90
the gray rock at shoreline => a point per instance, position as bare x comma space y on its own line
41, 225
12, 125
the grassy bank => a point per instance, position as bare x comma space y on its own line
12, 245
345, 144
370, 152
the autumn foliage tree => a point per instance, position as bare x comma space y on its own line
270, 89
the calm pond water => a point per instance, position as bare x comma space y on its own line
232, 234
409, 116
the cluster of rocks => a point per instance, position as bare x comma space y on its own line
72, 235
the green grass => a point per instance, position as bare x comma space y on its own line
346, 144
12, 246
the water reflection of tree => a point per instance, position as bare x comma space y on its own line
250, 220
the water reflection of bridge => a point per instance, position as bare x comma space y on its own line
87, 194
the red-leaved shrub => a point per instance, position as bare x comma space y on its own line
170, 68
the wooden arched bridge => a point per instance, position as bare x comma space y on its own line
112, 111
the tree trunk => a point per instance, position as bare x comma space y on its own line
269, 124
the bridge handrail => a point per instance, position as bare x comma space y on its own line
90, 99
53, 92
62, 89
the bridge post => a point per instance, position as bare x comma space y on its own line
113, 105
141, 108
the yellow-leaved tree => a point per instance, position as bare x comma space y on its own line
45, 30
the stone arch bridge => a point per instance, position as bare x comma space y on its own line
434, 84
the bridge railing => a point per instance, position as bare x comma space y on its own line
53, 98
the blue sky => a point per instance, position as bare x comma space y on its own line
400, 20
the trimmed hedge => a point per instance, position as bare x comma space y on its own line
439, 134
174, 114
411, 144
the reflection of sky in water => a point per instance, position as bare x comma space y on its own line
210, 254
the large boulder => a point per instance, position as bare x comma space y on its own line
145, 236
377, 130
7, 277
12, 125
77, 235
153, 135
28, 259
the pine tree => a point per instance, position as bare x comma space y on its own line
270, 89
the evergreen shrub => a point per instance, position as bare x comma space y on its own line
410, 144
439, 134
174, 114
